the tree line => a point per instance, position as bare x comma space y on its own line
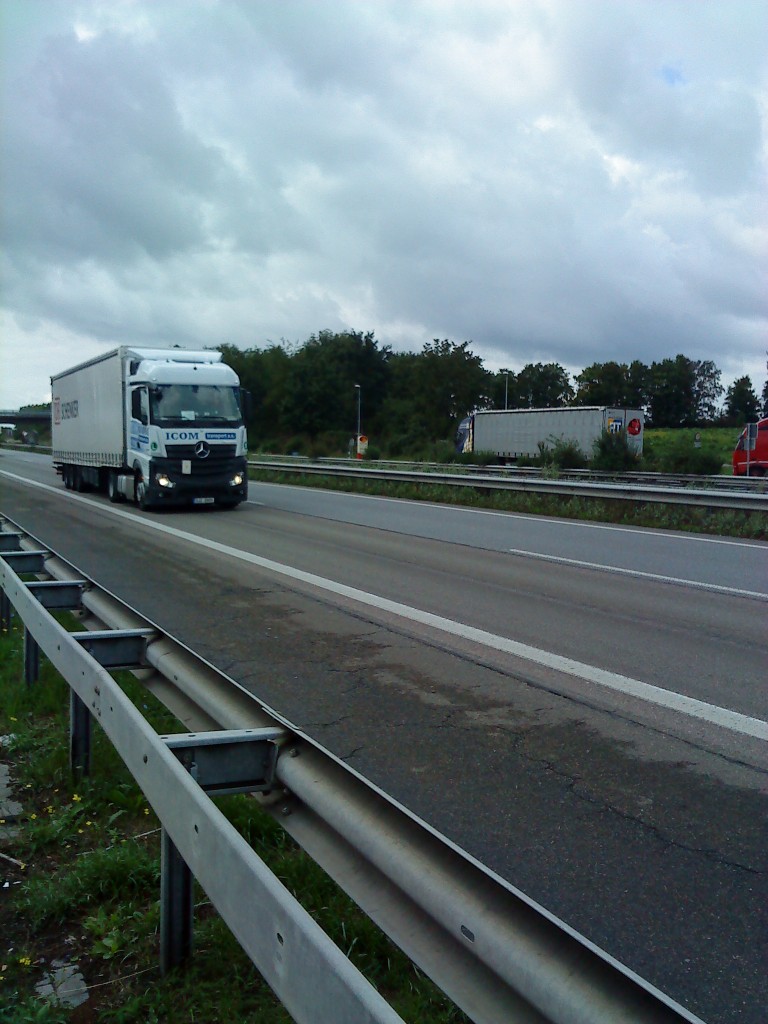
409, 398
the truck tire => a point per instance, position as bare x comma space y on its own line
114, 495
140, 493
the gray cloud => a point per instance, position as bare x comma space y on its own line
551, 180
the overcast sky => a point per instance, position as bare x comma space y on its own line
554, 180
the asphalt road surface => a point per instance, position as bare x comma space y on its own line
581, 707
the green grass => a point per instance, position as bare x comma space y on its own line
663, 447
86, 886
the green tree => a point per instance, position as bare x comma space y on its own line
613, 383
707, 390
264, 373
672, 392
638, 385
320, 393
432, 391
741, 402
540, 386
601, 384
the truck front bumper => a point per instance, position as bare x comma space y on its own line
222, 484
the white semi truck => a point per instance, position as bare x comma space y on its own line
512, 433
154, 426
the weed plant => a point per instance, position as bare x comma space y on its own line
83, 886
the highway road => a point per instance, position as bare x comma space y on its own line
581, 707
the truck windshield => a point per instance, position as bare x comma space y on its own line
174, 404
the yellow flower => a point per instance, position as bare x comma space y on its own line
49, 810
14, 719
76, 799
33, 817
146, 810
25, 961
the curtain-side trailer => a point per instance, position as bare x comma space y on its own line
512, 433
154, 426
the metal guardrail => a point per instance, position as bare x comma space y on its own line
435, 472
497, 954
484, 480
696, 480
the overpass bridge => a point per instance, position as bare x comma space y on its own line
17, 416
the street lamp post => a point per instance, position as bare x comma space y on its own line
357, 436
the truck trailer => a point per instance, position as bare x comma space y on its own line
512, 433
159, 427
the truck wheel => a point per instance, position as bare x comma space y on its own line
66, 476
115, 496
140, 493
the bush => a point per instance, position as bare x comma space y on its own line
691, 460
562, 454
611, 453
676, 452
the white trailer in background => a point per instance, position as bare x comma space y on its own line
156, 426
512, 433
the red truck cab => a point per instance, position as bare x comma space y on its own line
755, 462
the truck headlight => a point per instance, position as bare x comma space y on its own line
163, 480
236, 480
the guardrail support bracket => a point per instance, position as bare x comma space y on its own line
229, 760
116, 648
25, 561
60, 595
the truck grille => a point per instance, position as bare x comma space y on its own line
219, 457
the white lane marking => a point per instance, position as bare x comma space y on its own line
723, 717
697, 538
719, 588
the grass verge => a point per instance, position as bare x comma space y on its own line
691, 519
80, 876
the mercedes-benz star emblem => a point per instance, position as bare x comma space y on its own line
202, 451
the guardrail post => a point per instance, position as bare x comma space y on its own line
176, 908
31, 659
79, 736
6, 611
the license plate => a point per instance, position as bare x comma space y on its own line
203, 501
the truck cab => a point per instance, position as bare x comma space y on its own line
185, 434
748, 460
